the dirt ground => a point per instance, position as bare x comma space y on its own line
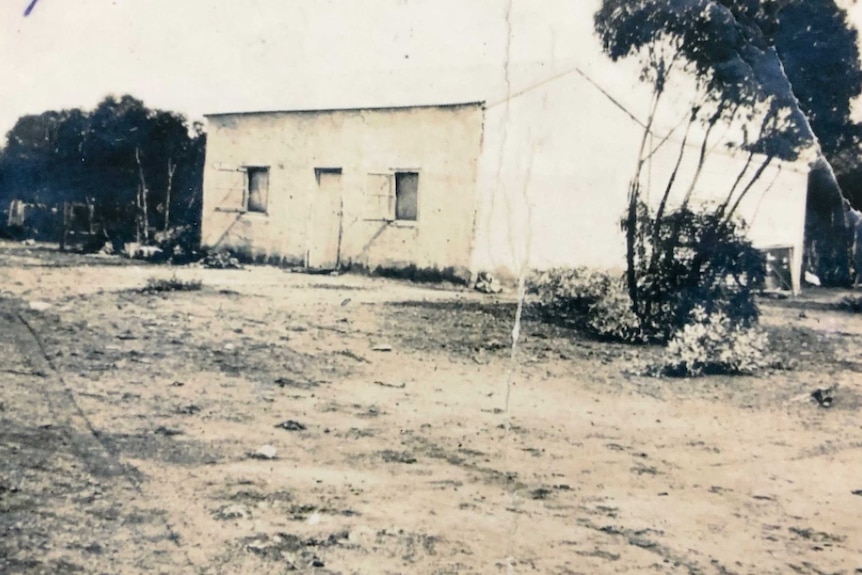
131, 428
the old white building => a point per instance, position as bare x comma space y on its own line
388, 188
537, 176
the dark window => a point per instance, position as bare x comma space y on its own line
258, 189
406, 195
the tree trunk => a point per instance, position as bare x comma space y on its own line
828, 237
138, 214
143, 198
634, 200
631, 234
172, 167
723, 206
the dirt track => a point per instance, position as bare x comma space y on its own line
127, 420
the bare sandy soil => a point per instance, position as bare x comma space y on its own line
129, 423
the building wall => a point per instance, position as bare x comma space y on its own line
441, 143
557, 165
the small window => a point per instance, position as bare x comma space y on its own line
258, 189
406, 195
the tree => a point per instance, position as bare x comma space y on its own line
737, 80
170, 146
27, 155
118, 130
818, 47
141, 168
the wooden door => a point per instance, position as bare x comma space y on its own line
325, 225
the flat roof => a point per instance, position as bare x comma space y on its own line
348, 109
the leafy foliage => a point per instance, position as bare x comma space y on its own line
688, 260
677, 259
93, 157
179, 245
721, 46
819, 49
685, 261
586, 299
173, 283
711, 344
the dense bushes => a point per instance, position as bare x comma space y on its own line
696, 278
686, 260
713, 344
708, 342
585, 299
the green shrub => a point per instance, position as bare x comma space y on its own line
686, 259
711, 343
586, 299
159, 285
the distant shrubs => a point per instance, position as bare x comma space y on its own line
179, 245
712, 344
221, 260
160, 285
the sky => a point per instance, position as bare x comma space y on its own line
199, 56
209, 56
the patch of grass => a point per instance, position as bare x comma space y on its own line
161, 285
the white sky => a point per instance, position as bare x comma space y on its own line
199, 56
202, 56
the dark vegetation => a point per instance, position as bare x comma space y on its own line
161, 285
424, 275
787, 70
689, 259
139, 168
697, 281
691, 278
851, 304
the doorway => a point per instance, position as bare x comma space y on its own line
325, 222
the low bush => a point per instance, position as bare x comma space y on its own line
179, 245
159, 285
589, 300
221, 260
852, 304
711, 344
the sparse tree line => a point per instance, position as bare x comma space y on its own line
139, 169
